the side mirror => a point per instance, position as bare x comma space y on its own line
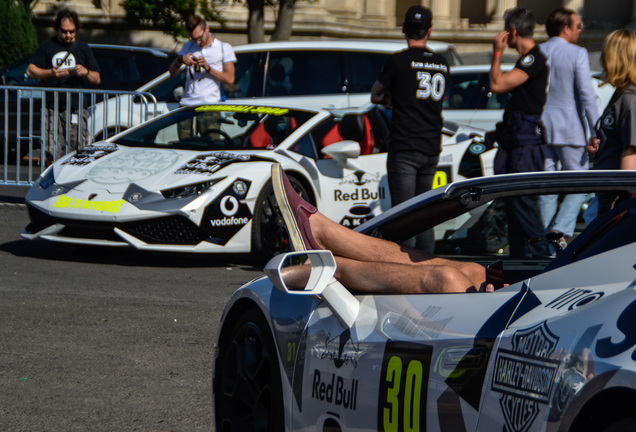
345, 153
311, 273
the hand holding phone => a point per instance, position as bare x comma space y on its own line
494, 274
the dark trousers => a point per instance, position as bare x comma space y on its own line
521, 149
411, 173
525, 229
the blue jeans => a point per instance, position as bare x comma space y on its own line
562, 218
411, 173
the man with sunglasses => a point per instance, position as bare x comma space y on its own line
210, 64
571, 103
66, 62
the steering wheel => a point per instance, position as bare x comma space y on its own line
224, 135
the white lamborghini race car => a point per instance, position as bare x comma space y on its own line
198, 179
553, 351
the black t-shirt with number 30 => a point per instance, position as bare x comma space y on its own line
416, 79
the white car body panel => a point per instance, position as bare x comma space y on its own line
533, 356
348, 188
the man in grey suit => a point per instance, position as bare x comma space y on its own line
570, 96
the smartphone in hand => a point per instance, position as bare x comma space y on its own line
494, 274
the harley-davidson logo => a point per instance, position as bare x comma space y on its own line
525, 375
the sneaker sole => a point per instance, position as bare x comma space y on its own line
295, 236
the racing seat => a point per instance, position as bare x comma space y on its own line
272, 131
352, 127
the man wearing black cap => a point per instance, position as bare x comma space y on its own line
413, 82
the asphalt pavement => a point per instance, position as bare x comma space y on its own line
102, 339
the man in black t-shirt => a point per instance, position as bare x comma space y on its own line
413, 82
520, 135
65, 62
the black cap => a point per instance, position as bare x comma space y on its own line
417, 18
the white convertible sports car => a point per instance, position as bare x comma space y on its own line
555, 350
198, 179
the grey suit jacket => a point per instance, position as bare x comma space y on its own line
570, 94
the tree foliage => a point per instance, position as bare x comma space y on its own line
168, 15
18, 37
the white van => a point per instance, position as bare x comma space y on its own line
325, 73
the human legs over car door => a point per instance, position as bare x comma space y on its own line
367, 263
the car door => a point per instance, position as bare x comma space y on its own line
410, 362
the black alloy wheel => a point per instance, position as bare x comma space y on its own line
247, 393
269, 234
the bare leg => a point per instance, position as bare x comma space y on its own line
368, 263
347, 243
381, 277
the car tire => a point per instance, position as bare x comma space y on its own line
269, 234
247, 383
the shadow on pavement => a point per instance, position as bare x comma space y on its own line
122, 256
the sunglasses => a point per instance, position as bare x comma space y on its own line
203, 36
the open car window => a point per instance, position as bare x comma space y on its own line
218, 127
479, 232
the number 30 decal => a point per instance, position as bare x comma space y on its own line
402, 398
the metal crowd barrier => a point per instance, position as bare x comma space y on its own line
23, 111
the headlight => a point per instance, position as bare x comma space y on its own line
187, 191
48, 179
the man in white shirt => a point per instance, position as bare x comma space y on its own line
571, 102
209, 63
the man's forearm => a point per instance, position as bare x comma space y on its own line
495, 70
175, 66
94, 77
34, 72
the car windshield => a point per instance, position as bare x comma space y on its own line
218, 127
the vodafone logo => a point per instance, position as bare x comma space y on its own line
229, 221
229, 205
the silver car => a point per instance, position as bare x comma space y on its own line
552, 351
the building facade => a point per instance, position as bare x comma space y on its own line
469, 24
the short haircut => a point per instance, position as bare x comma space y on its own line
618, 58
193, 22
66, 13
558, 20
522, 19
